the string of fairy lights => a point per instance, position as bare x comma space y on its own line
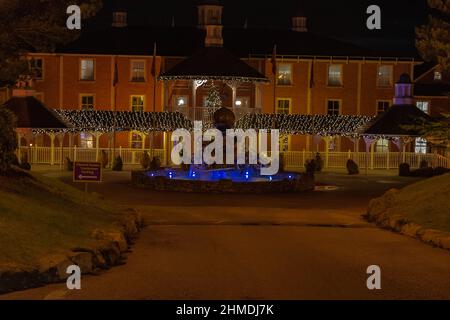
108, 121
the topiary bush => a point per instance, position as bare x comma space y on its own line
352, 167
118, 164
404, 170
155, 164
68, 164
145, 160
310, 166
8, 139
24, 164
104, 159
318, 162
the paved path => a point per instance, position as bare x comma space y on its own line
306, 246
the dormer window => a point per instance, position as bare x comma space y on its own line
437, 76
119, 19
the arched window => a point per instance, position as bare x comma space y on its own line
137, 141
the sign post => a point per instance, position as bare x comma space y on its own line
87, 172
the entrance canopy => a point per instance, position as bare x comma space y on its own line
214, 63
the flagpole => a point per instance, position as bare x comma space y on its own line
153, 71
275, 69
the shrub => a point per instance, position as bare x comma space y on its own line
310, 166
118, 164
104, 159
68, 164
24, 164
145, 160
155, 164
404, 170
8, 139
318, 162
352, 167
440, 171
427, 172
423, 164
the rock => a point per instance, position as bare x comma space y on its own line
83, 260
110, 252
411, 229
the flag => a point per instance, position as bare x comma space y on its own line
153, 71
274, 60
116, 74
311, 79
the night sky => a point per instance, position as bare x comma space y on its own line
345, 19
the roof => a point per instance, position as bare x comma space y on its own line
213, 63
183, 42
392, 122
31, 113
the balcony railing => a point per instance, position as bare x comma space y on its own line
206, 114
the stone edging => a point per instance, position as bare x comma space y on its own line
380, 211
108, 251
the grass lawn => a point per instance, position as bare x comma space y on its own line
426, 203
42, 217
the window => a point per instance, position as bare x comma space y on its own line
37, 68
385, 76
181, 101
284, 143
137, 103
284, 77
86, 140
138, 71
382, 145
334, 107
437, 76
87, 102
137, 141
335, 75
283, 106
382, 106
242, 102
421, 145
87, 70
424, 106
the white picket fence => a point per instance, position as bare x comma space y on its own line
292, 159
53, 156
372, 161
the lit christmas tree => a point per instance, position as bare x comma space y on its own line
213, 99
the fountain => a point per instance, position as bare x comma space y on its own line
235, 178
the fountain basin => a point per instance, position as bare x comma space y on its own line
222, 181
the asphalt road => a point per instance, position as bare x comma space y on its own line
305, 246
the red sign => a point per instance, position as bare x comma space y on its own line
87, 172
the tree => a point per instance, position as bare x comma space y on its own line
8, 139
433, 39
34, 26
213, 99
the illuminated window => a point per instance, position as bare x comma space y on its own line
242, 102
86, 140
424, 106
334, 107
137, 141
335, 75
87, 102
385, 76
420, 146
138, 71
382, 106
181, 101
87, 70
37, 68
437, 76
284, 77
137, 103
283, 106
382, 145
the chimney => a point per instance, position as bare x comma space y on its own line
299, 20
210, 20
403, 91
120, 15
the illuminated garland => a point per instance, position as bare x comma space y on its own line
324, 125
290, 124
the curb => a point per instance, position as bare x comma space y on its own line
109, 251
381, 213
